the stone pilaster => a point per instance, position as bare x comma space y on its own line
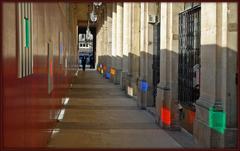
105, 36
229, 10
114, 16
142, 96
134, 54
126, 42
167, 98
119, 40
163, 87
218, 51
109, 34
99, 41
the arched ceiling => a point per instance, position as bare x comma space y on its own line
81, 12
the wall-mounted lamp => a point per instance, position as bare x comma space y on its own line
97, 4
93, 16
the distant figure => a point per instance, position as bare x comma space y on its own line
84, 63
80, 62
91, 61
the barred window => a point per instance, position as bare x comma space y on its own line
189, 56
24, 31
190, 5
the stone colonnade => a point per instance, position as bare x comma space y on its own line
125, 44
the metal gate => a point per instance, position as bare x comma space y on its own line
189, 56
156, 58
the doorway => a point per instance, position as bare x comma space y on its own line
86, 49
156, 60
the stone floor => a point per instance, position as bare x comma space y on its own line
100, 115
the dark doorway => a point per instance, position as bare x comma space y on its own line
156, 59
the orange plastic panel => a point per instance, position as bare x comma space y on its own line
165, 115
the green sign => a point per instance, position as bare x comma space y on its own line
217, 120
27, 32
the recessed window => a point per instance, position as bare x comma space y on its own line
50, 66
25, 53
60, 47
27, 32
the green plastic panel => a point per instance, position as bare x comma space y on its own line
27, 30
217, 120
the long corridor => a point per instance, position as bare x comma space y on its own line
158, 75
100, 115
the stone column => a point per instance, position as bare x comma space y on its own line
113, 36
175, 9
163, 89
109, 34
126, 41
167, 97
105, 37
119, 44
134, 55
202, 131
142, 96
99, 46
217, 83
229, 10
151, 10
101, 38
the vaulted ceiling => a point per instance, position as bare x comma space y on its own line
81, 13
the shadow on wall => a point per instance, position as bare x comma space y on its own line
132, 77
117, 62
168, 92
219, 88
168, 86
29, 110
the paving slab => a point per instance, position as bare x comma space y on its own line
100, 115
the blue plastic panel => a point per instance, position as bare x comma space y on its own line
143, 86
108, 75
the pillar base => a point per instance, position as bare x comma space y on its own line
230, 138
124, 80
132, 85
117, 77
129, 88
203, 134
165, 105
141, 98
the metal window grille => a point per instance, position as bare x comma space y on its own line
189, 56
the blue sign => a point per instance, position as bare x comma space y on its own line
108, 75
143, 86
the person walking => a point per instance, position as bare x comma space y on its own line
91, 62
83, 63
